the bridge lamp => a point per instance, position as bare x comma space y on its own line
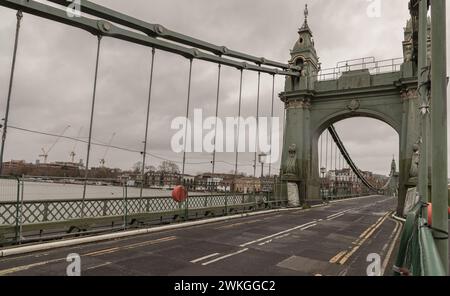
262, 160
323, 171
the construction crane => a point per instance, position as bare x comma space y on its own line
102, 161
72, 153
46, 152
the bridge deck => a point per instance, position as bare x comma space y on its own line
331, 240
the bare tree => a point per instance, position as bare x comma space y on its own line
169, 167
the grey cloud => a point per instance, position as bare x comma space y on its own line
53, 85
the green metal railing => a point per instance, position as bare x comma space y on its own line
22, 218
418, 255
39, 211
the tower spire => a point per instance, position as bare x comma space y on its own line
306, 16
305, 26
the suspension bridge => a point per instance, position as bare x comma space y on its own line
223, 233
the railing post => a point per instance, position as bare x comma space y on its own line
226, 203
186, 211
424, 109
439, 188
105, 207
45, 214
125, 204
17, 211
21, 211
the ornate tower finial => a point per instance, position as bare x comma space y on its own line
306, 14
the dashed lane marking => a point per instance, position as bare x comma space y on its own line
98, 266
225, 256
238, 224
277, 234
204, 258
308, 227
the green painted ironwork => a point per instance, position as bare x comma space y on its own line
105, 28
418, 254
19, 217
39, 211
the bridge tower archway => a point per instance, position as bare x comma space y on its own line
385, 90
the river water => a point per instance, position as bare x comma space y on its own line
55, 191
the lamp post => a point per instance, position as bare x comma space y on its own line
323, 171
262, 160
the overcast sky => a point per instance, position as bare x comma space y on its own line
55, 69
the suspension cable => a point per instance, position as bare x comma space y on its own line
217, 114
321, 151
257, 123
94, 94
144, 153
326, 153
19, 16
331, 155
271, 126
239, 126
335, 157
187, 116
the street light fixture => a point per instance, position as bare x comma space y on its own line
262, 160
323, 171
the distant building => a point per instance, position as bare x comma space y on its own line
54, 169
345, 181
247, 185
162, 179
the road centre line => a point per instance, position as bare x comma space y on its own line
98, 266
28, 266
205, 257
239, 224
308, 227
277, 234
132, 246
339, 213
225, 256
335, 217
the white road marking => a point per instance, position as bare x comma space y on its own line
338, 214
307, 227
275, 238
265, 243
283, 236
98, 266
204, 258
277, 234
397, 231
226, 256
335, 217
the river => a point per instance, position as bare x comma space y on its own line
53, 191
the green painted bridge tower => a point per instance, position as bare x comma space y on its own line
383, 90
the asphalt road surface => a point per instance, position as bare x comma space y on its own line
336, 239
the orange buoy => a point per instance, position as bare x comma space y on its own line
430, 214
179, 193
